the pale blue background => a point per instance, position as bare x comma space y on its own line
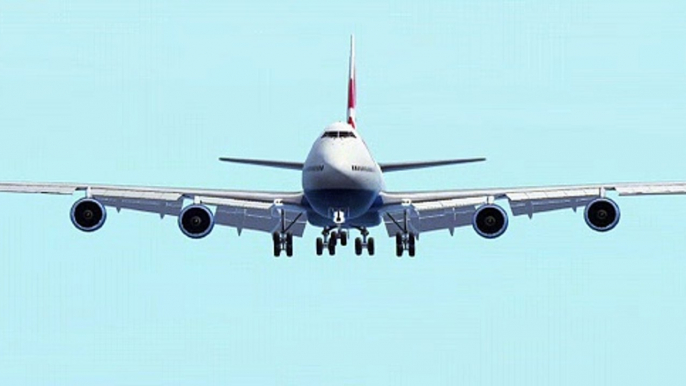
152, 92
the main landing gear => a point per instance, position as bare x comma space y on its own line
282, 242
283, 239
404, 239
364, 243
330, 238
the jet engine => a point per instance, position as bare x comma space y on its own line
490, 221
88, 214
602, 214
196, 221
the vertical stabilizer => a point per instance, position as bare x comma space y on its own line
351, 85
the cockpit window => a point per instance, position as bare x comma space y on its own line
339, 134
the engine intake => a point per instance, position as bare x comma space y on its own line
196, 221
490, 221
602, 214
88, 214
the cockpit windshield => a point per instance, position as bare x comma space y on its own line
339, 134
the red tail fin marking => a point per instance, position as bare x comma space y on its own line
351, 85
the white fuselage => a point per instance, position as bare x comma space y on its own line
340, 174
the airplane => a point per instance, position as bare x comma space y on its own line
343, 190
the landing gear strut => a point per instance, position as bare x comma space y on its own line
364, 243
283, 239
404, 239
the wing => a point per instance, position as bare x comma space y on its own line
253, 210
429, 211
264, 162
400, 166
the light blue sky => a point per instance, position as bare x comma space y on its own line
152, 92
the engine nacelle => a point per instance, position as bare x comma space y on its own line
196, 221
602, 214
490, 221
88, 214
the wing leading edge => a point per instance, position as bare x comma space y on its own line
400, 166
264, 162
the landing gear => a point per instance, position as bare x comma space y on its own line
405, 242
404, 239
364, 242
282, 240
328, 240
343, 235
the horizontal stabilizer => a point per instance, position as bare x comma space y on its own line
394, 167
262, 162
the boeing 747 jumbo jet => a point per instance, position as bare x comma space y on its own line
343, 191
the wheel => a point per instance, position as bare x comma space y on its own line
358, 246
333, 237
320, 246
277, 249
411, 245
332, 245
276, 240
399, 249
399, 239
344, 238
370, 246
289, 244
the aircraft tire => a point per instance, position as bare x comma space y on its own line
332, 245
289, 244
320, 246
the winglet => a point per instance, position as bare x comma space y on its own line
351, 85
